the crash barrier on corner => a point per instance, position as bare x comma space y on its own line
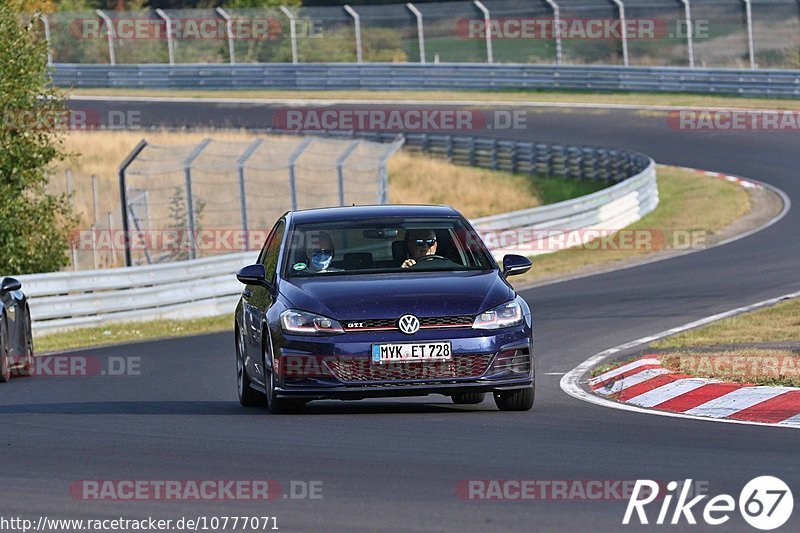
207, 287
442, 76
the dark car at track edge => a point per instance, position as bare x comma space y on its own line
333, 309
16, 340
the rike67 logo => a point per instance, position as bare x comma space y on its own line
765, 503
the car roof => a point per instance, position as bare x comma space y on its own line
331, 214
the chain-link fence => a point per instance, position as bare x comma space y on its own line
216, 197
702, 33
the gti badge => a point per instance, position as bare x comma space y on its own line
408, 324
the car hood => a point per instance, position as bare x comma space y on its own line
392, 295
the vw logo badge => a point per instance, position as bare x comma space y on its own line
408, 324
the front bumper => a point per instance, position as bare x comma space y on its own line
482, 362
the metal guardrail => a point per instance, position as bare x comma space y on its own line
443, 76
206, 287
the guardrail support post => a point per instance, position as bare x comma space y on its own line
687, 10
487, 27
750, 44
250, 150
46, 24
111, 35
187, 174
420, 31
624, 31
123, 197
556, 28
292, 31
340, 168
357, 22
170, 41
229, 31
292, 177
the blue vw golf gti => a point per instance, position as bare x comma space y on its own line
376, 301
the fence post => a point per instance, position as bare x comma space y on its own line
94, 246
111, 239
292, 32
123, 196
46, 24
420, 31
111, 35
94, 198
340, 168
750, 45
357, 21
556, 28
487, 27
292, 177
624, 31
383, 176
229, 31
170, 42
187, 175
687, 10
242, 189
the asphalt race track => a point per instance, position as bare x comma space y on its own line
393, 465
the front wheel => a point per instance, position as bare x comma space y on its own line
248, 396
517, 400
26, 368
5, 359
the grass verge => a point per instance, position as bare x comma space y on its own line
746, 365
689, 202
130, 332
583, 97
779, 323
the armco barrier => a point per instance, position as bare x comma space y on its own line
442, 76
205, 287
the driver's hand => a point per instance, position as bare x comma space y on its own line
408, 263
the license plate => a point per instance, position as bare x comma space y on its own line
424, 351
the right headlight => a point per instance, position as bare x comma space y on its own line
305, 323
502, 316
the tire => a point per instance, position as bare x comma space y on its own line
468, 398
518, 400
248, 396
5, 360
26, 369
277, 406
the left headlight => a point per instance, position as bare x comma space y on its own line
502, 316
305, 323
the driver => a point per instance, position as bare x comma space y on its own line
419, 243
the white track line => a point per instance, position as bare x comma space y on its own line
737, 400
791, 422
571, 382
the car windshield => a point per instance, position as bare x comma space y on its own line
381, 245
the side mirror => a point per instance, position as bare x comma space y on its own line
515, 264
254, 275
10, 285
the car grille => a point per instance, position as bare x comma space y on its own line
359, 370
433, 322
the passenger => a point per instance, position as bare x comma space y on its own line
320, 252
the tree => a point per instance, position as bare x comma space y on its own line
35, 226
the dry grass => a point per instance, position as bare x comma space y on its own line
476, 192
688, 202
674, 99
778, 323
